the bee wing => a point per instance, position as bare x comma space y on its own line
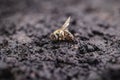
66, 24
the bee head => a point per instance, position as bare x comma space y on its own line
53, 36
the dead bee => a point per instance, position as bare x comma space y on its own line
62, 33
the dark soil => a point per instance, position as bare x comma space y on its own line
27, 53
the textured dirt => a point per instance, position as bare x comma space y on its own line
27, 53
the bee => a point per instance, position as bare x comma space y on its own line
62, 33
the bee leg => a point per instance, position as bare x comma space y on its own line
63, 36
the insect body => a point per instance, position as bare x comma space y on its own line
62, 33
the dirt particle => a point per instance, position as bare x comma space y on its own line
87, 47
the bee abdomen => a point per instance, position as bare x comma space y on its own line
68, 36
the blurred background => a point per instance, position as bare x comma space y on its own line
10, 7
57, 8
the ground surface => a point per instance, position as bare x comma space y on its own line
27, 53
